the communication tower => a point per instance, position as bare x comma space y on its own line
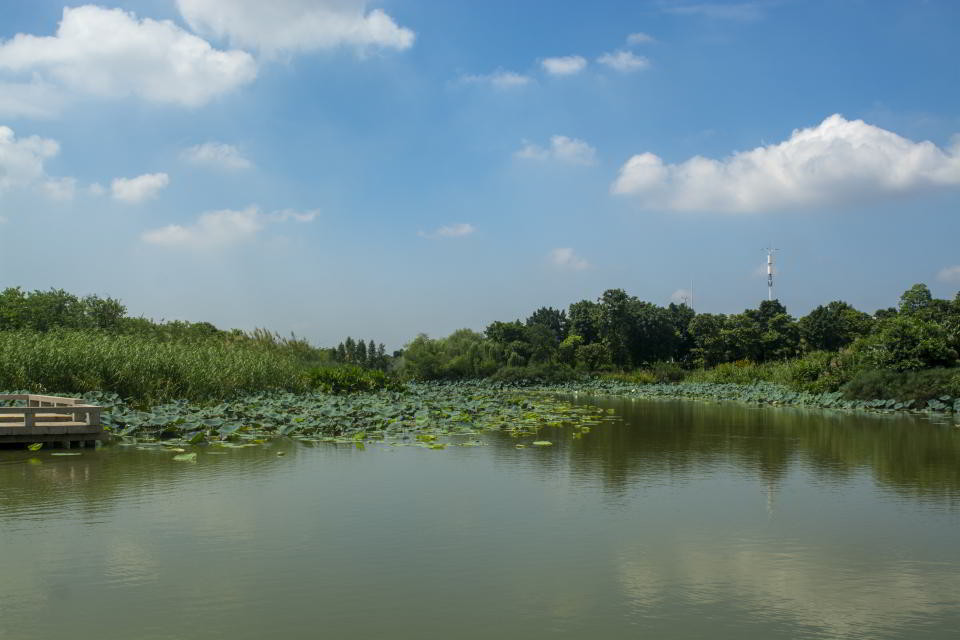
770, 251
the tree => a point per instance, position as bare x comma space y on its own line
360, 352
350, 348
583, 320
906, 343
680, 316
554, 320
372, 355
916, 300
707, 331
505, 332
834, 326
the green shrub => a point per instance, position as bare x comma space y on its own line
536, 374
351, 379
904, 386
667, 372
640, 376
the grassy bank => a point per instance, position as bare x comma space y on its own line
146, 368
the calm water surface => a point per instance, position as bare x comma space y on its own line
686, 520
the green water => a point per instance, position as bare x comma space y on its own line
686, 520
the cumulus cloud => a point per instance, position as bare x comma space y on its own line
565, 258
216, 155
220, 229
110, 53
564, 65
499, 79
837, 162
293, 26
624, 61
450, 231
640, 38
950, 274
562, 148
21, 160
22, 165
139, 189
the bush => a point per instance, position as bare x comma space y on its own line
143, 368
536, 374
351, 379
639, 376
904, 386
739, 372
667, 372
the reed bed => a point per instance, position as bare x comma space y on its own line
144, 368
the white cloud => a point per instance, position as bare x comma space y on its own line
21, 160
640, 38
96, 189
624, 61
110, 53
743, 11
136, 190
220, 229
564, 65
836, 162
565, 258
950, 274
562, 148
450, 231
499, 79
33, 99
681, 296
291, 26
59, 188
3, 220
216, 155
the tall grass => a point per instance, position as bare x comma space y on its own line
145, 368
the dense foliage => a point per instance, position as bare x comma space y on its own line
53, 341
640, 342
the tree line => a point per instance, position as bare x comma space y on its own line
620, 332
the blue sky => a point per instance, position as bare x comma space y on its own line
336, 167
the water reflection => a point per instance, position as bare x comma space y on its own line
682, 520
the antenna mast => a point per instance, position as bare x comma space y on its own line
770, 251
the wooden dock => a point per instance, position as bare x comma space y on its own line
64, 421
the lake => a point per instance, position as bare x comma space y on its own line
682, 520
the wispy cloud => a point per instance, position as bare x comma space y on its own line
564, 65
221, 229
640, 38
450, 231
681, 296
499, 79
277, 27
562, 148
139, 189
624, 61
565, 258
742, 11
950, 274
216, 155
837, 162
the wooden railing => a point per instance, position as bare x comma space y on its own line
47, 411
